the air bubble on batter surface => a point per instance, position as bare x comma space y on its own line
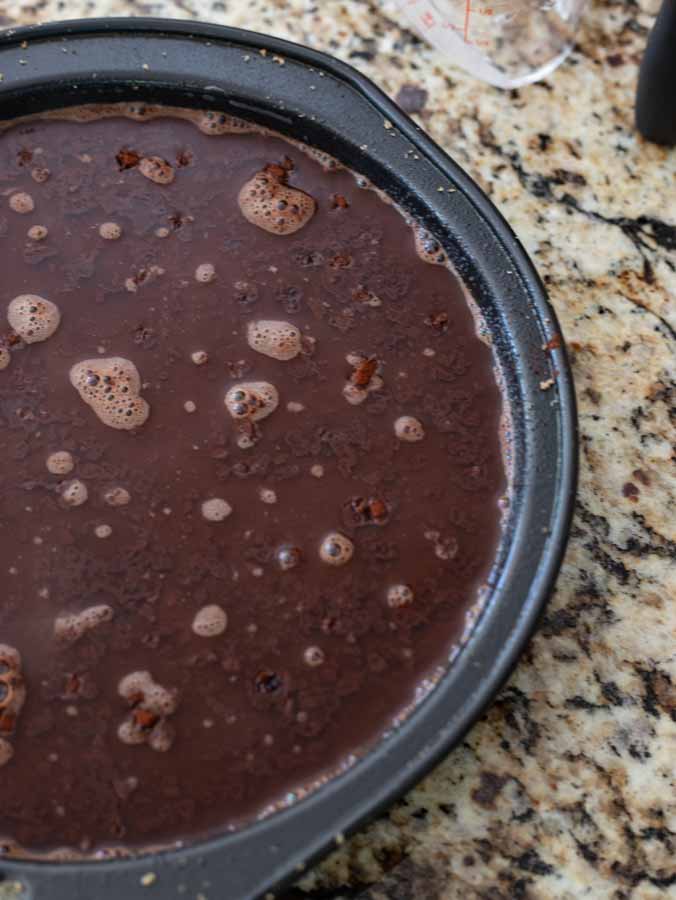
409, 429
156, 169
205, 273
33, 318
267, 201
70, 627
288, 557
252, 400
313, 656
278, 340
74, 492
336, 549
111, 387
216, 509
40, 175
110, 231
60, 463
399, 595
210, 621
37, 232
117, 496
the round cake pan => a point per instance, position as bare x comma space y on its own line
327, 104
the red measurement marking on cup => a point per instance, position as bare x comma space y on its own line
456, 15
470, 12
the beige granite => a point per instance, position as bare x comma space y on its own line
565, 789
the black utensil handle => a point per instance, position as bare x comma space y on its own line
656, 94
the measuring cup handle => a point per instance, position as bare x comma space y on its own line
656, 97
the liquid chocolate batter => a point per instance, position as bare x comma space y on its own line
250, 475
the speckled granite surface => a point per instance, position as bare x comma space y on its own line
566, 788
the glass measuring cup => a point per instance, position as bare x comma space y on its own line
507, 43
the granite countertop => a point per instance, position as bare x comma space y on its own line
565, 789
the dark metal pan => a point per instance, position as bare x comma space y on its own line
327, 104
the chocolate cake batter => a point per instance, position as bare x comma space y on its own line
250, 480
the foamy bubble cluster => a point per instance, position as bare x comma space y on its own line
252, 400
364, 378
110, 231
363, 511
5, 358
21, 203
336, 549
205, 273
70, 627
12, 697
216, 509
156, 169
74, 492
33, 318
409, 429
326, 161
266, 200
210, 621
428, 247
140, 687
151, 704
446, 548
142, 278
279, 340
112, 388
399, 595
220, 123
60, 463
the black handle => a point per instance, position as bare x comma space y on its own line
656, 94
